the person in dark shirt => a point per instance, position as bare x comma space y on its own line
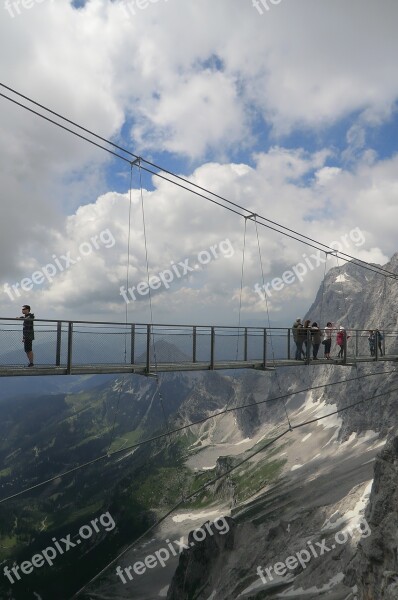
378, 339
316, 335
28, 332
298, 338
372, 342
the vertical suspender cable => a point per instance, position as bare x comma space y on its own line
268, 319
126, 313
158, 390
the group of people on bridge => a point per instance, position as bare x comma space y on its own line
309, 337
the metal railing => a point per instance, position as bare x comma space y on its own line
70, 344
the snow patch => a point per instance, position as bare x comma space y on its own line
295, 467
351, 517
341, 278
180, 518
163, 592
245, 441
316, 456
299, 592
368, 436
259, 585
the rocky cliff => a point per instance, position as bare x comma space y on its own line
375, 567
306, 534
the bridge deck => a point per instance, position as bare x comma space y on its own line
141, 369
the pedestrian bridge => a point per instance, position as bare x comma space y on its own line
88, 347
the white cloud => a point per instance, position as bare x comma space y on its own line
194, 80
180, 225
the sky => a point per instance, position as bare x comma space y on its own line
287, 108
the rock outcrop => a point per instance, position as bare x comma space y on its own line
375, 567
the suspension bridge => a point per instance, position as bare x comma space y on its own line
99, 347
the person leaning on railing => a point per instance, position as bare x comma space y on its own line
341, 339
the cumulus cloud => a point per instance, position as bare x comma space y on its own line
181, 227
214, 88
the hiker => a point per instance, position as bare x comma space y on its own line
307, 337
372, 342
378, 339
28, 334
316, 335
298, 338
327, 342
341, 339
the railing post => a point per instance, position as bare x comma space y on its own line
194, 343
213, 339
148, 347
70, 339
288, 344
245, 348
132, 345
265, 348
356, 343
58, 351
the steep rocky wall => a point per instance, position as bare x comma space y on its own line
375, 567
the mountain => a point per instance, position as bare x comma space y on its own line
48, 434
309, 514
327, 527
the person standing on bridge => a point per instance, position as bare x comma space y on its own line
28, 334
341, 340
378, 339
297, 338
327, 342
372, 342
316, 335
307, 337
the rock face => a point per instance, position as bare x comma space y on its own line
375, 566
325, 486
201, 563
